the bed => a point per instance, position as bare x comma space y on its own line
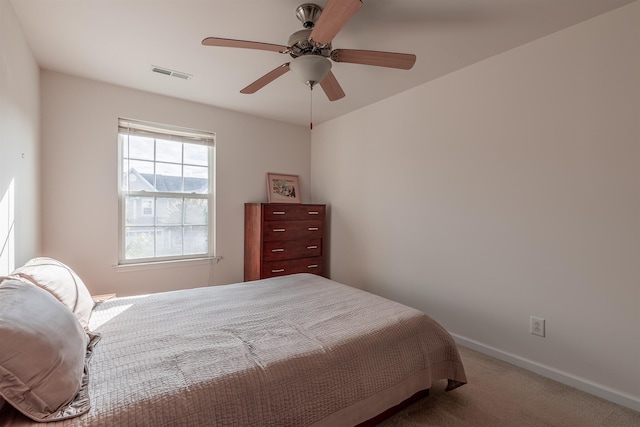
298, 350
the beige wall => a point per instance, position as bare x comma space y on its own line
505, 190
79, 178
19, 145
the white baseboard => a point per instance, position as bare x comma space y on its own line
604, 392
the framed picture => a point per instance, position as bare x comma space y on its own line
283, 188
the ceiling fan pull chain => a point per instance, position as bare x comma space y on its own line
310, 107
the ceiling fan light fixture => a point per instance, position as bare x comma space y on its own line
310, 69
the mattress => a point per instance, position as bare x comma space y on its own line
295, 350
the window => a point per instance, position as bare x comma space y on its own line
166, 192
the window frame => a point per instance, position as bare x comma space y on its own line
171, 133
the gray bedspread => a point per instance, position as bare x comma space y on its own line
289, 351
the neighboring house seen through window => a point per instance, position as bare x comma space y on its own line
166, 192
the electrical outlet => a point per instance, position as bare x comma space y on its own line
536, 326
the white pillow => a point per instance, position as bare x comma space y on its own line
42, 356
62, 282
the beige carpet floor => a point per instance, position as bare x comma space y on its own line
501, 394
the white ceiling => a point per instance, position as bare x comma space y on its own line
117, 41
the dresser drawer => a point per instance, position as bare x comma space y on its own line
291, 249
293, 212
292, 266
290, 230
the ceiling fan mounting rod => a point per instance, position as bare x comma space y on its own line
308, 14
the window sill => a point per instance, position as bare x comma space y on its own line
152, 265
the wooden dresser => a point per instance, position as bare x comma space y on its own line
281, 239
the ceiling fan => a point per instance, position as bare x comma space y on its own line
311, 49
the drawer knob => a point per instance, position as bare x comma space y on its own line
277, 250
313, 266
279, 230
279, 213
313, 213
313, 228
312, 247
280, 270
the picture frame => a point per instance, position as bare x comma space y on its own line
282, 188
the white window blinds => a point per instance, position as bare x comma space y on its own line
166, 132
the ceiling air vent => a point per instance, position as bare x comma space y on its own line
167, 72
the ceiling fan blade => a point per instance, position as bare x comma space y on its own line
404, 61
215, 41
266, 79
331, 87
334, 16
